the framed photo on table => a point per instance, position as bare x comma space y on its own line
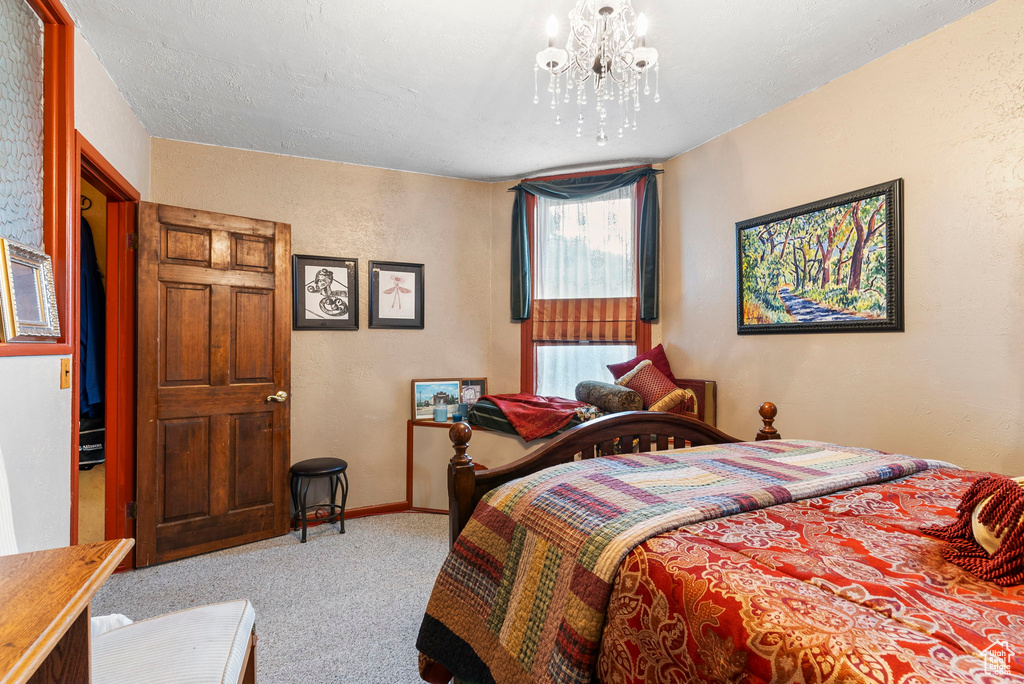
430, 394
396, 295
325, 293
472, 389
28, 298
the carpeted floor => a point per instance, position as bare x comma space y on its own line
339, 608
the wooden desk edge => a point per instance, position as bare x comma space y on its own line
38, 652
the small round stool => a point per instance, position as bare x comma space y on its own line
304, 472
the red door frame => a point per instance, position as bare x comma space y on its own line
122, 206
528, 351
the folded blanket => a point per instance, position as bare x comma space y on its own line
523, 593
488, 416
533, 416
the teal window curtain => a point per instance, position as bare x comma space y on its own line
581, 189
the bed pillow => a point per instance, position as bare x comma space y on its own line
656, 356
657, 391
609, 397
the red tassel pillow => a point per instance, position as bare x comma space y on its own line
656, 356
658, 392
987, 537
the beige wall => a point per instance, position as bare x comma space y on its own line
105, 119
350, 390
946, 113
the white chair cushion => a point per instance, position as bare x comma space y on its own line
198, 646
102, 624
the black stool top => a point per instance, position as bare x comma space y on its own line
319, 466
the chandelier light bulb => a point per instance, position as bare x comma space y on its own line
641, 25
552, 30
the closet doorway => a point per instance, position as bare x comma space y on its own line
103, 402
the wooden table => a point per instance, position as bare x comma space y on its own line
44, 610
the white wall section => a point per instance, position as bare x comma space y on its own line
105, 119
35, 436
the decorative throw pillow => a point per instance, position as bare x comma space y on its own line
658, 392
608, 397
656, 356
987, 537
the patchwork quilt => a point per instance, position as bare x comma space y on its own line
842, 588
523, 594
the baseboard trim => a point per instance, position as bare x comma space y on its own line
379, 509
361, 512
419, 509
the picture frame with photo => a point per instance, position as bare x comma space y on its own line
429, 393
325, 293
28, 296
471, 389
396, 295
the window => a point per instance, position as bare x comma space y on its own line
584, 308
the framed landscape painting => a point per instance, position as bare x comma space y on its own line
829, 266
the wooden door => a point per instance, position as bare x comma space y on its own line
214, 313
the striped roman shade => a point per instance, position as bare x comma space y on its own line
594, 320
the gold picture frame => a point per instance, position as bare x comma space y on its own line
28, 297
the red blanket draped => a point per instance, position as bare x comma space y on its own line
533, 416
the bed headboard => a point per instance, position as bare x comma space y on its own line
642, 431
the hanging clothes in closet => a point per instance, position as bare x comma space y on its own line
93, 329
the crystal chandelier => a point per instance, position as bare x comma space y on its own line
607, 47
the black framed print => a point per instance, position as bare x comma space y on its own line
396, 295
325, 293
835, 265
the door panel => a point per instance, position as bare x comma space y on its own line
185, 467
250, 253
212, 450
185, 330
253, 450
186, 246
252, 313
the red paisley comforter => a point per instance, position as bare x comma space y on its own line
841, 588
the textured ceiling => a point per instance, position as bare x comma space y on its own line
446, 87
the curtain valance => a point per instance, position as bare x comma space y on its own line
583, 188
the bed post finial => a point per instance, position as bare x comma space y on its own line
768, 411
461, 480
460, 433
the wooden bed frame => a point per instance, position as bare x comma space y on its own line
650, 430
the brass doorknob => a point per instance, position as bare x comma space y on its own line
280, 397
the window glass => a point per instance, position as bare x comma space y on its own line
586, 249
21, 123
560, 367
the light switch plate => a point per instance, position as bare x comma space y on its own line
65, 373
